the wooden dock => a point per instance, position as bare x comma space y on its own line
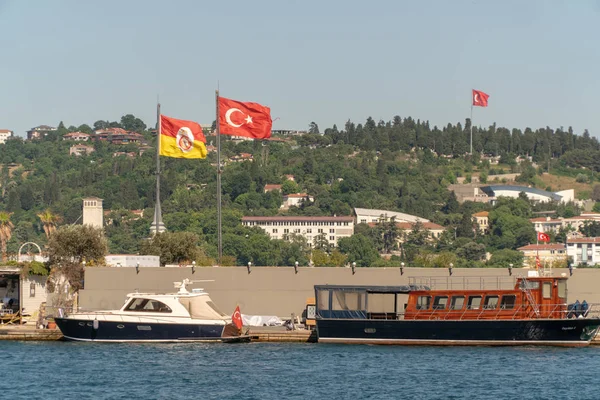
29, 333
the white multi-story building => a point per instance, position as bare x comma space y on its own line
583, 250
333, 228
5, 134
92, 212
547, 224
367, 215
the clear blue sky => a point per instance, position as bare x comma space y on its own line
323, 61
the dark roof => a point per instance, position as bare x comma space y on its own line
372, 289
298, 218
491, 189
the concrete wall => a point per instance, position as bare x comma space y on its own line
278, 291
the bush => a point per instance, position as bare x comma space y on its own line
581, 178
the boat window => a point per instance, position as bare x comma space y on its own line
323, 299
457, 302
215, 308
491, 302
547, 290
525, 284
562, 289
508, 302
440, 302
423, 302
474, 303
147, 305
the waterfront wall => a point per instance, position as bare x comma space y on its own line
279, 291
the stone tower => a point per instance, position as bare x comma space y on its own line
93, 214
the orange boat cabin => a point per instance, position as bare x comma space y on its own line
532, 297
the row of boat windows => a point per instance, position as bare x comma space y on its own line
506, 302
147, 305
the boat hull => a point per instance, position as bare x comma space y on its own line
120, 331
554, 332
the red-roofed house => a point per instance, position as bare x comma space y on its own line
241, 157
5, 134
548, 253
482, 220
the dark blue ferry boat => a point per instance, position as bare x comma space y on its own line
533, 312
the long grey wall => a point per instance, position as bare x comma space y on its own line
278, 290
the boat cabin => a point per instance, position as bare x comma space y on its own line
530, 297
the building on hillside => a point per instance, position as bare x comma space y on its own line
583, 250
366, 215
468, 192
132, 260
5, 134
434, 231
39, 132
269, 187
77, 136
288, 132
80, 150
547, 224
481, 219
119, 136
548, 253
241, 157
290, 177
537, 195
333, 228
92, 212
295, 200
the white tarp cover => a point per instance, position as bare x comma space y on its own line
261, 320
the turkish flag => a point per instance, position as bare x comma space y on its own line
543, 237
239, 118
236, 318
480, 99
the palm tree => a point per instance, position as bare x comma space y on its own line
49, 221
6, 228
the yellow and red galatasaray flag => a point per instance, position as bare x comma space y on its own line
181, 139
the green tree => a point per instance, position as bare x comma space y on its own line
359, 249
6, 227
313, 128
130, 123
68, 247
173, 247
289, 187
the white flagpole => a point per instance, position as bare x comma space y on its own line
157, 224
219, 172
471, 124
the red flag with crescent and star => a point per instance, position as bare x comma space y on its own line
543, 237
236, 318
239, 118
480, 99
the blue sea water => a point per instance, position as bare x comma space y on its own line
63, 370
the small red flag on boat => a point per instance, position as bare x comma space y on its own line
538, 264
236, 318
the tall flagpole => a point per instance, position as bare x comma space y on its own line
157, 224
471, 125
219, 171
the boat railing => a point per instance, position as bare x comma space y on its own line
553, 311
464, 282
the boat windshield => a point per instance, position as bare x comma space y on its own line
147, 305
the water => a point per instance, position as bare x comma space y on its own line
62, 370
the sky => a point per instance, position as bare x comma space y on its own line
323, 61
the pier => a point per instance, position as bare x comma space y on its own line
257, 334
